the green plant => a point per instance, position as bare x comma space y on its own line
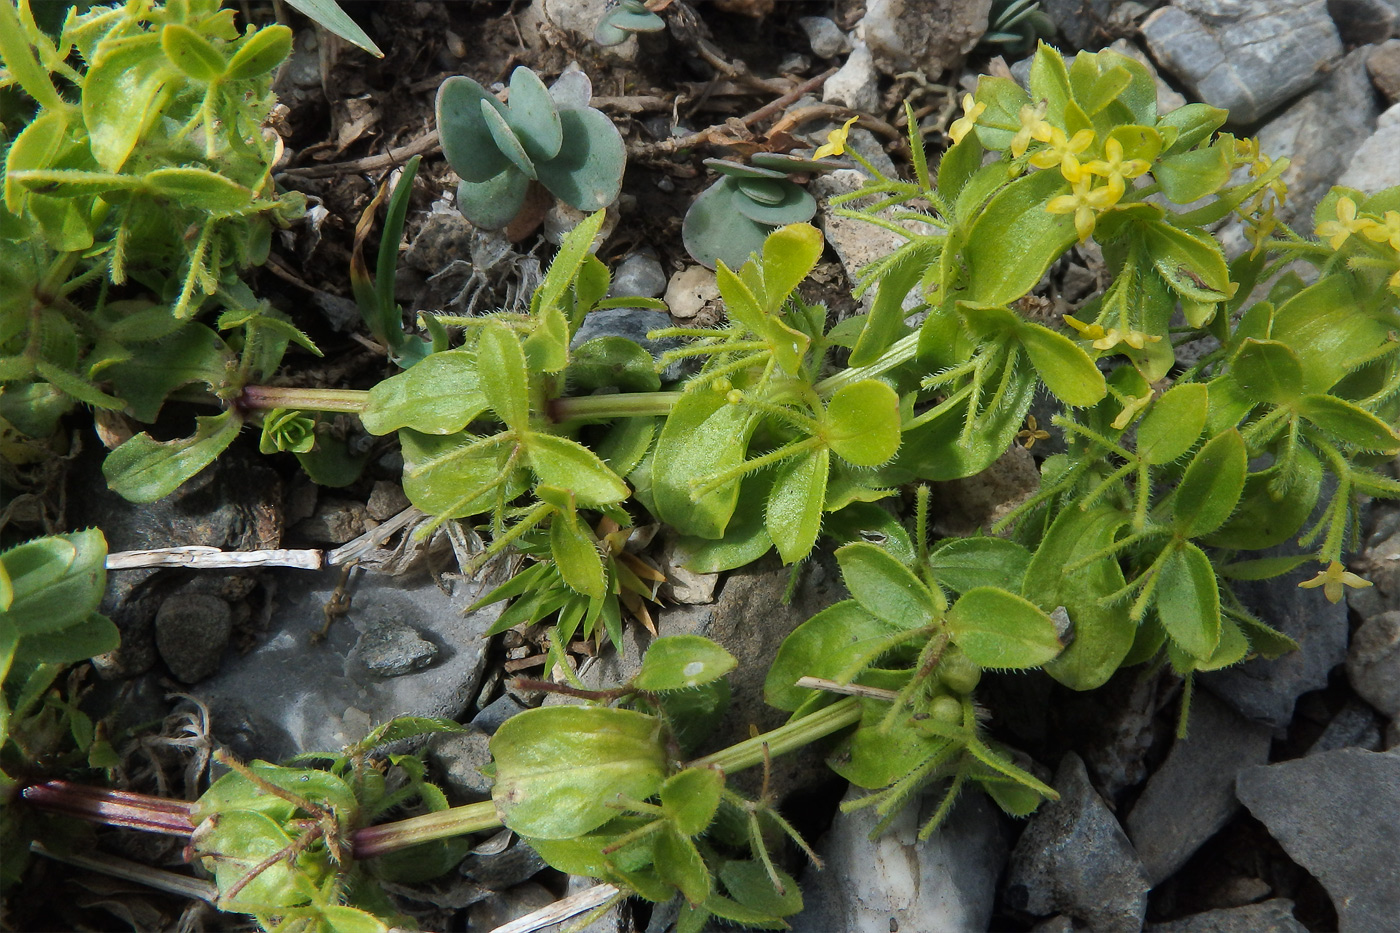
50, 589
731, 218
131, 211
626, 18
547, 135
1017, 25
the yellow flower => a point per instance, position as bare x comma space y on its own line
1387, 232
1333, 579
964, 124
835, 144
1133, 405
1033, 126
1114, 168
1345, 225
1032, 433
1086, 331
1085, 203
1062, 152
1133, 338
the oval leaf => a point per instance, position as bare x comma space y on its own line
192, 53
998, 629
1211, 486
1267, 371
560, 769
886, 588
439, 395
1348, 423
679, 662
1188, 601
862, 423
1173, 423
262, 52
1064, 367
569, 465
794, 515
504, 377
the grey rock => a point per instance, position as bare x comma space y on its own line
386, 500
1384, 67
855, 84
616, 919
233, 504
460, 756
690, 290
1201, 769
931, 36
1272, 916
1073, 858
1338, 815
335, 521
895, 882
497, 712
1168, 97
499, 909
389, 649
640, 274
1057, 924
1082, 22
1265, 690
1360, 22
290, 695
192, 630
826, 38
1373, 662
499, 870
1355, 726
1319, 134
1374, 167
1248, 56
634, 324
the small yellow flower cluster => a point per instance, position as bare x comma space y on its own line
1386, 230
1333, 579
1108, 339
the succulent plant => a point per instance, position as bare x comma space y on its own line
624, 18
732, 217
549, 135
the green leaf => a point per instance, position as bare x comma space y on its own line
1266, 515
587, 174
54, 581
1188, 601
503, 376
23, 66
144, 469
1063, 365
1348, 423
1268, 371
407, 727
193, 354
886, 588
1014, 239
578, 559
962, 564
1211, 486
1190, 261
1173, 423
1189, 176
794, 514
466, 140
1324, 324
998, 629
745, 539
532, 115
76, 386
789, 255
613, 362
192, 53
439, 395
95, 635
691, 798
702, 436
886, 324
261, 52
329, 16
678, 862
877, 755
567, 464
749, 884
547, 347
861, 423
836, 644
680, 662
448, 477
199, 189
246, 840
559, 769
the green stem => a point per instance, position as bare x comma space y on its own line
617, 405
269, 397
787, 737
899, 353
389, 837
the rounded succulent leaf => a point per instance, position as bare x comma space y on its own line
587, 175
791, 164
645, 21
533, 116
493, 203
740, 170
506, 140
571, 91
608, 35
796, 206
714, 229
466, 139
763, 190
